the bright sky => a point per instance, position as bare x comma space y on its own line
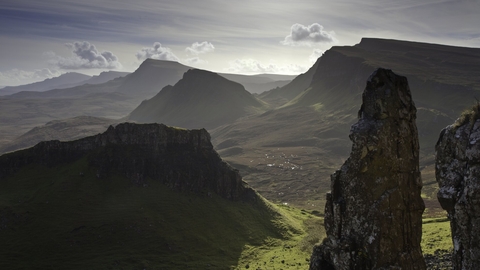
41, 39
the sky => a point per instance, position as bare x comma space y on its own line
43, 39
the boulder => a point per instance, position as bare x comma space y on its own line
458, 175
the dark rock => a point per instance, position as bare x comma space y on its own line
458, 171
182, 159
373, 214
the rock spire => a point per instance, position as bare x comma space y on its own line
373, 214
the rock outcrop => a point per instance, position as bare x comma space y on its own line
373, 214
458, 172
182, 159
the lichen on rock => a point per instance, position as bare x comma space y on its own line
457, 170
373, 214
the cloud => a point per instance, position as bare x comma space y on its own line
315, 55
85, 56
248, 65
157, 52
308, 35
199, 48
195, 61
17, 76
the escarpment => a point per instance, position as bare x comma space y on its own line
458, 172
182, 159
373, 214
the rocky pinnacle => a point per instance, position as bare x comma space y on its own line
373, 214
458, 172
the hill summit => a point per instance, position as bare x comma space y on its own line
201, 99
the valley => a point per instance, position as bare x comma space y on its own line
285, 142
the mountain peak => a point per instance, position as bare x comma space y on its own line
201, 99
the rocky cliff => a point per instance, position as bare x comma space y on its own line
373, 214
182, 159
457, 171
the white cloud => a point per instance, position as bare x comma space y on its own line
252, 66
85, 56
315, 55
308, 35
157, 52
20, 77
199, 48
195, 61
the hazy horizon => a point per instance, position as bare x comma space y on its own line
45, 39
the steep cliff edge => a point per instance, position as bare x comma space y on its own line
134, 197
373, 215
457, 171
182, 159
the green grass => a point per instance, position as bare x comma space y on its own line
469, 115
53, 218
291, 253
436, 235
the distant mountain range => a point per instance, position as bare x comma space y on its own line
67, 80
115, 98
287, 145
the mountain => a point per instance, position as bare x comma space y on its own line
283, 94
151, 76
259, 83
288, 153
63, 81
136, 197
115, 99
201, 99
105, 76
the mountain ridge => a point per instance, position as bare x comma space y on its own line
200, 99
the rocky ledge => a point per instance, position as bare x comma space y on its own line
182, 159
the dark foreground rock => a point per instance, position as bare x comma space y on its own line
182, 159
440, 260
458, 174
373, 214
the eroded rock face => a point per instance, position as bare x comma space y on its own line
458, 176
182, 159
373, 214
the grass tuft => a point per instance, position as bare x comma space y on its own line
468, 116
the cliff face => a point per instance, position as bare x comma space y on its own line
457, 171
182, 159
373, 215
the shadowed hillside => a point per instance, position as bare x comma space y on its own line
201, 99
135, 197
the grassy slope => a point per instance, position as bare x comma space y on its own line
55, 218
